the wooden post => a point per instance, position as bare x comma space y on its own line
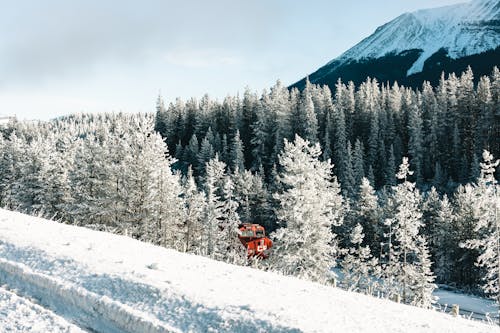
455, 310
397, 298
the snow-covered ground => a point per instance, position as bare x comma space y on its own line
469, 305
108, 283
21, 315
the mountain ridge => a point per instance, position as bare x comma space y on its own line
437, 38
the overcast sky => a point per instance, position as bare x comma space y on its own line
59, 57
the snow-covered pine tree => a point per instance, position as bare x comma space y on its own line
409, 262
466, 216
260, 138
390, 171
431, 206
191, 152
488, 227
444, 239
423, 284
358, 163
360, 268
156, 199
215, 170
253, 200
205, 154
194, 206
236, 153
86, 181
248, 117
415, 140
304, 121
229, 247
309, 206
437, 217
28, 187
367, 212
57, 197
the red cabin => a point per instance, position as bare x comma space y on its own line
253, 236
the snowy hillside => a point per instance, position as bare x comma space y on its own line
462, 29
107, 283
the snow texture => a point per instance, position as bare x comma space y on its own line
110, 283
18, 314
463, 29
473, 306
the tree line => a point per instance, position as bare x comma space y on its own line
364, 130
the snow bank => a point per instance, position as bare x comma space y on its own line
19, 315
105, 314
127, 285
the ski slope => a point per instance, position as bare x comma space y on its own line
108, 283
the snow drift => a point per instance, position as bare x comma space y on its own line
111, 283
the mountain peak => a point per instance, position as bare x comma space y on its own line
462, 29
402, 48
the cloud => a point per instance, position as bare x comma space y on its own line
56, 38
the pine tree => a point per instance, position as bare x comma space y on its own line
236, 152
248, 119
214, 209
367, 212
358, 163
205, 154
253, 200
465, 273
191, 152
229, 246
194, 207
488, 227
348, 182
309, 206
360, 269
390, 171
161, 117
415, 144
485, 123
444, 238
409, 260
155, 201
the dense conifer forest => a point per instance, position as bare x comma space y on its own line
394, 186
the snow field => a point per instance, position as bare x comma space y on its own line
21, 315
124, 285
95, 311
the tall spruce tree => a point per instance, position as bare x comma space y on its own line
309, 206
488, 227
409, 262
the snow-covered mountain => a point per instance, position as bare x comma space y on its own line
430, 40
56, 277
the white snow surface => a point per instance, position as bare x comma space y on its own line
462, 29
19, 315
469, 303
111, 283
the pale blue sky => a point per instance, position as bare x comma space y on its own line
59, 57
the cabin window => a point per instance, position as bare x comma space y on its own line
247, 233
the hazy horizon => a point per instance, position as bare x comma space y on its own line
59, 58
